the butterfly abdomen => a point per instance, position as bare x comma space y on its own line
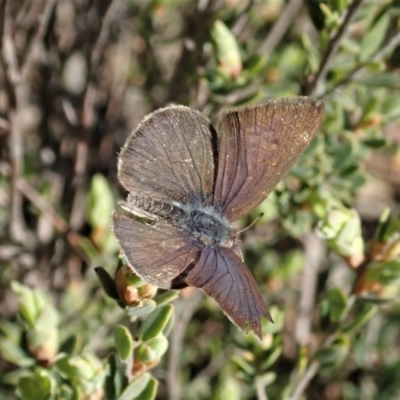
153, 209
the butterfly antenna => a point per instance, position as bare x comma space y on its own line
248, 227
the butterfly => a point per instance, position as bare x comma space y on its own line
188, 182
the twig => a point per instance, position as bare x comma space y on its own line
314, 250
393, 42
8, 61
305, 380
38, 201
280, 26
42, 31
315, 86
58, 222
241, 22
176, 341
260, 389
88, 117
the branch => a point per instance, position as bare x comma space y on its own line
393, 42
315, 86
280, 27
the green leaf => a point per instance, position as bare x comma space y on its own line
115, 377
166, 297
135, 388
362, 318
380, 80
373, 39
38, 386
336, 302
27, 302
272, 357
13, 353
155, 323
150, 391
158, 344
123, 342
390, 272
100, 202
335, 354
226, 50
107, 283
146, 307
375, 143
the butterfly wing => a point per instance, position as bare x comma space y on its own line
157, 253
223, 276
257, 146
169, 156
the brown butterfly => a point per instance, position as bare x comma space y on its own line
190, 182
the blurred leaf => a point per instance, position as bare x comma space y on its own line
372, 40
383, 79
335, 354
227, 50
166, 297
135, 388
150, 391
229, 388
335, 304
146, 306
266, 379
375, 143
107, 282
100, 202
115, 377
13, 353
155, 323
151, 350
272, 358
360, 319
35, 387
123, 341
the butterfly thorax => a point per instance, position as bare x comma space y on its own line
208, 225
204, 223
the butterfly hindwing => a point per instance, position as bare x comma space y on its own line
157, 253
223, 276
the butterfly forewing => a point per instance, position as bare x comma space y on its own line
223, 276
157, 253
257, 146
169, 156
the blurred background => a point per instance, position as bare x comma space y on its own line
76, 76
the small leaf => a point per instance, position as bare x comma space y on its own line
107, 283
135, 388
166, 297
123, 342
158, 344
115, 377
362, 318
337, 304
100, 202
373, 39
150, 391
155, 323
335, 354
146, 306
14, 354
375, 143
226, 50
36, 386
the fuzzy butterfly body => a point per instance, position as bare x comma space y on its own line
190, 182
